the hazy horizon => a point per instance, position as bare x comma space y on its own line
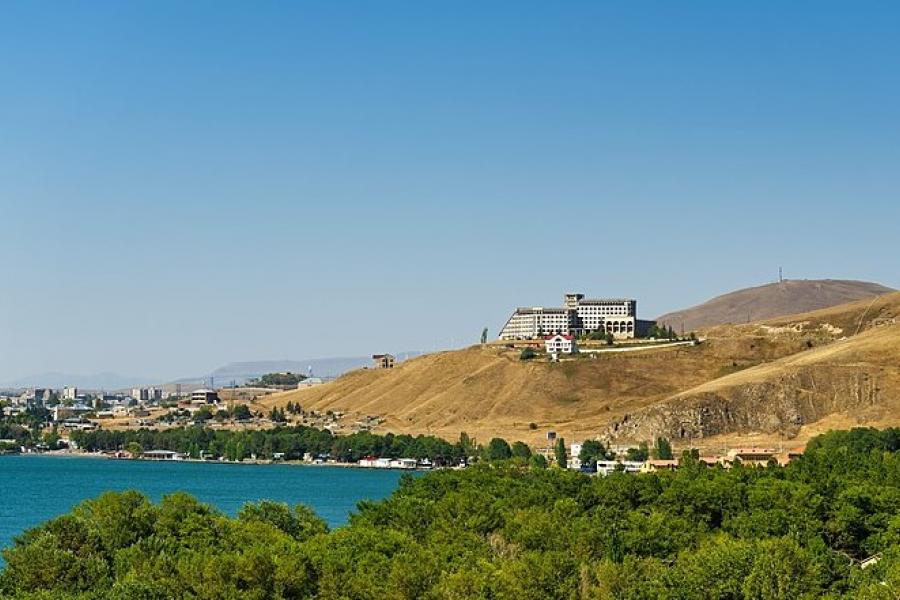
184, 186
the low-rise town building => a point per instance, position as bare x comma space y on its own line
605, 467
753, 457
204, 396
654, 465
383, 361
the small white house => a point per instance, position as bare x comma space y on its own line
560, 344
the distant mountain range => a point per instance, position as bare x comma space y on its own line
237, 372
99, 381
788, 297
240, 372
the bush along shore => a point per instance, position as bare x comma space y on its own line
825, 526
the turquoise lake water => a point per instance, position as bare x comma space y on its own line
36, 488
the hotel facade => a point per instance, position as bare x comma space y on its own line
578, 315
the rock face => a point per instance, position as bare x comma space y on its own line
779, 398
788, 297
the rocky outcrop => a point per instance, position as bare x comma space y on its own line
780, 405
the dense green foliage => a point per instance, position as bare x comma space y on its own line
291, 442
507, 532
662, 449
23, 429
639, 454
559, 453
661, 332
592, 451
277, 379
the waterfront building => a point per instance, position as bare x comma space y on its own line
577, 316
163, 455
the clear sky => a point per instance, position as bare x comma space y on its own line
185, 184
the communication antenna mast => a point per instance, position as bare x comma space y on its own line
780, 275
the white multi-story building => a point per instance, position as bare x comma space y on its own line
70, 393
529, 323
617, 316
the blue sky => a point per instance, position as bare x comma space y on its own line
184, 184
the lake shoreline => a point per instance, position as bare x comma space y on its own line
251, 462
40, 487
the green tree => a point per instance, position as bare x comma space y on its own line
301, 523
498, 449
134, 449
521, 450
51, 438
527, 354
241, 412
591, 452
639, 454
538, 461
467, 446
203, 414
560, 453
662, 449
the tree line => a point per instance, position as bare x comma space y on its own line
288, 442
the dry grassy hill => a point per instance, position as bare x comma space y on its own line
850, 375
789, 297
781, 377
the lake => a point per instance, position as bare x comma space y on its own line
36, 488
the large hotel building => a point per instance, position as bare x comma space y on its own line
579, 315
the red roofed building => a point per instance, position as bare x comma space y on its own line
560, 344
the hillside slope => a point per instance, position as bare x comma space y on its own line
789, 297
773, 378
